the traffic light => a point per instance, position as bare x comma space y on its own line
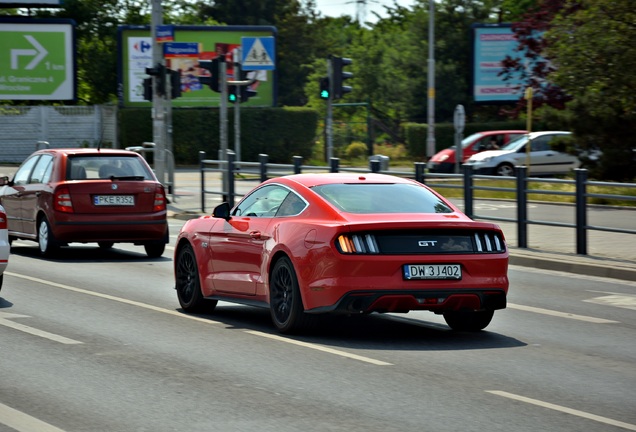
324, 88
159, 71
175, 83
339, 76
211, 81
244, 92
148, 89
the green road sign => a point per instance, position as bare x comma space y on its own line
37, 60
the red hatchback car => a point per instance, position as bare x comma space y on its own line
444, 161
61, 196
310, 244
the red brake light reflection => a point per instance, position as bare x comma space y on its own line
62, 200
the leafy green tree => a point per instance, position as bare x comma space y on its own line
590, 41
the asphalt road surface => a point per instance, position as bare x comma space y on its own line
95, 341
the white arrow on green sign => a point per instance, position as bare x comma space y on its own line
39, 61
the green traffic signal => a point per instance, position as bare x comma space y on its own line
324, 88
231, 97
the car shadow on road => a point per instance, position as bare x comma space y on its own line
374, 331
88, 253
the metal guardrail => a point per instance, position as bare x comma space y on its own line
266, 170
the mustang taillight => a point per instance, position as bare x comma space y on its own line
357, 244
62, 200
3, 220
160, 199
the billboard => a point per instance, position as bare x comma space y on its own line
191, 44
491, 44
37, 59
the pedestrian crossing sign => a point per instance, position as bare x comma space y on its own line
258, 53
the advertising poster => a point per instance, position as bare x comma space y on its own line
492, 43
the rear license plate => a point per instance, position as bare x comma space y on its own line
432, 271
114, 200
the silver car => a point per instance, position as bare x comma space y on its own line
543, 160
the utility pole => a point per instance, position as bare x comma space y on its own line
430, 140
158, 108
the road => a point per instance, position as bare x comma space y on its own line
94, 341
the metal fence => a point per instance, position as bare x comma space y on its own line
264, 170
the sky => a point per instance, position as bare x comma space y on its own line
336, 8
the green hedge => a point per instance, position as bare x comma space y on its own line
278, 132
416, 133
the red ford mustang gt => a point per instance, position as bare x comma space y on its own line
310, 244
107, 196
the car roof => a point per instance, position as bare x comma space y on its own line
540, 133
88, 151
315, 179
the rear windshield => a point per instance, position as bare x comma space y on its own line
105, 167
382, 198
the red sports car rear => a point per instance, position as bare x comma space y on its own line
342, 243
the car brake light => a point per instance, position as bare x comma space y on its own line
62, 200
160, 199
357, 244
3, 220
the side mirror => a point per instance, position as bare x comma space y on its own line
4, 181
222, 211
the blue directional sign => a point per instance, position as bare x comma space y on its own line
258, 53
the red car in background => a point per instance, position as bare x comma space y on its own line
343, 243
4, 244
444, 161
106, 196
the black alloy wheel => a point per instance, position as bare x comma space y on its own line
468, 320
188, 284
286, 305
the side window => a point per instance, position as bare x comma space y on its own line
24, 172
291, 206
263, 202
540, 144
42, 171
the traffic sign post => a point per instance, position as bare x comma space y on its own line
459, 121
40, 58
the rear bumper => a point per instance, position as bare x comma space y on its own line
438, 301
142, 228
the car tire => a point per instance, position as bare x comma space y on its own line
155, 250
187, 283
505, 169
46, 242
468, 320
105, 245
285, 303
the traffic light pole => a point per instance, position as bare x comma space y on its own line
158, 108
329, 120
237, 107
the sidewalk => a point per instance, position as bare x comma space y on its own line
611, 255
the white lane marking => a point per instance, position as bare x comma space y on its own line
4, 321
561, 314
574, 275
625, 301
113, 298
566, 410
320, 348
22, 422
190, 317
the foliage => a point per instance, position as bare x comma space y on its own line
278, 132
356, 150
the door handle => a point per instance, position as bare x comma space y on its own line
255, 234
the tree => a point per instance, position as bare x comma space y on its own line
590, 41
